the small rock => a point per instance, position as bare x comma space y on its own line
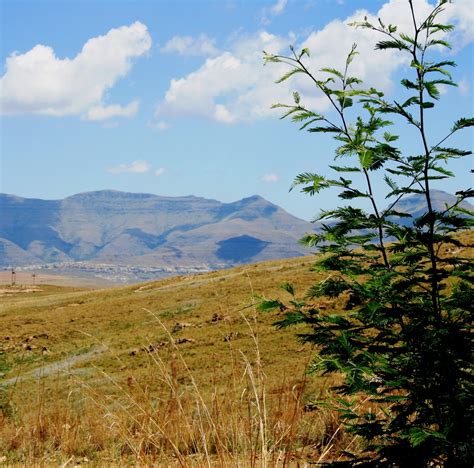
216, 317
179, 326
185, 340
154, 347
231, 336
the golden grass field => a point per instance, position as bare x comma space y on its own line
178, 372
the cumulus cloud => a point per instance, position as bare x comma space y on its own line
234, 86
188, 45
160, 171
136, 167
39, 82
271, 177
461, 13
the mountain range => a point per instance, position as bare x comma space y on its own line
143, 229
119, 228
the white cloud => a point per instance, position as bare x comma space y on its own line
136, 167
273, 10
278, 7
160, 126
38, 82
188, 45
271, 178
160, 171
115, 110
461, 12
234, 86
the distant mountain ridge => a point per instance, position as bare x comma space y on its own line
120, 228
133, 228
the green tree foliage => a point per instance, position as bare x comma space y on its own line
404, 339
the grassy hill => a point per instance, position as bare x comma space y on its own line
140, 373
182, 371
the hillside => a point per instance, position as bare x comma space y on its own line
143, 229
116, 369
171, 349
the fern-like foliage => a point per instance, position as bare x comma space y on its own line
403, 339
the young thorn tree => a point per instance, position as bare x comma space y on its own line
403, 340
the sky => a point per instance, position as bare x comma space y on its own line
172, 97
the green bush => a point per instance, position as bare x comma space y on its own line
403, 341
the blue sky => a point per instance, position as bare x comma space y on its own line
172, 98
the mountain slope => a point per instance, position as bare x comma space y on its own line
181, 233
116, 227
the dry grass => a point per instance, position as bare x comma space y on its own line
181, 371
184, 372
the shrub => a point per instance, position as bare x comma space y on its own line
403, 339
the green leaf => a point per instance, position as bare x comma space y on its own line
288, 287
450, 151
304, 114
462, 123
333, 71
349, 194
289, 74
265, 305
441, 170
351, 54
309, 122
304, 51
391, 183
434, 28
392, 44
366, 159
270, 58
428, 105
411, 100
417, 435
314, 182
432, 89
329, 129
444, 63
352, 80
409, 84
346, 102
439, 42
345, 169
389, 137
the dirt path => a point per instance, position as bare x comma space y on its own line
55, 367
